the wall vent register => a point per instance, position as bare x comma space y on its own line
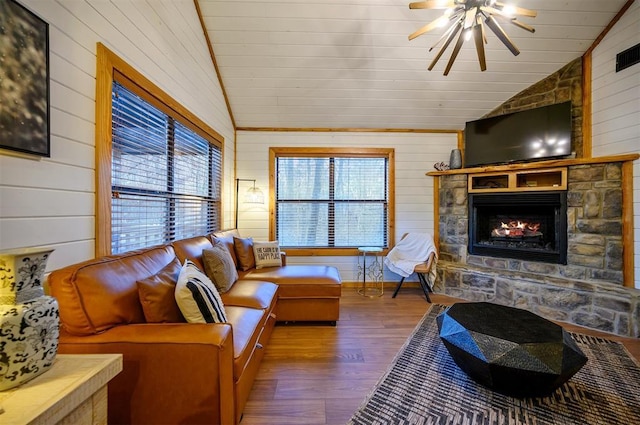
628, 58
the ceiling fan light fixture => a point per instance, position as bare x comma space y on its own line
509, 10
467, 34
442, 21
468, 15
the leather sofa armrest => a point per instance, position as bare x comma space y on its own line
205, 333
172, 372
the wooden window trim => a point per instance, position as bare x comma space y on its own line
110, 66
276, 152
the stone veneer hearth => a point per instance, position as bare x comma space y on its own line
587, 291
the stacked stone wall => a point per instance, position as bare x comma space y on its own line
454, 218
596, 305
594, 222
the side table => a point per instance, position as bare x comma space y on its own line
73, 391
373, 270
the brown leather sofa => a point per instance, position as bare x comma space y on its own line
181, 372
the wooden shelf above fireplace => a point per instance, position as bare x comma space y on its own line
544, 179
539, 164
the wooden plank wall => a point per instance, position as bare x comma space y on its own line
51, 201
616, 108
415, 154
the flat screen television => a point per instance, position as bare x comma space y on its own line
531, 135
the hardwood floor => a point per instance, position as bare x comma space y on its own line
321, 374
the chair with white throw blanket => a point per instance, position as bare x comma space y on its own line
415, 252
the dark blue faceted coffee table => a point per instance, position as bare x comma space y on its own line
509, 350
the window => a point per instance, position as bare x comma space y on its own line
333, 198
165, 178
162, 180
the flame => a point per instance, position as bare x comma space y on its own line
515, 228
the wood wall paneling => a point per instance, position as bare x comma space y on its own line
51, 200
616, 116
414, 153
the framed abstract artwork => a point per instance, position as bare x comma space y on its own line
24, 80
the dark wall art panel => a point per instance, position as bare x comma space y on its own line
24, 80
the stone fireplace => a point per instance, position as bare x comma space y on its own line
519, 225
572, 269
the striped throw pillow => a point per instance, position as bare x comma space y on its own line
197, 296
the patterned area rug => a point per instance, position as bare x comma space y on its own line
425, 386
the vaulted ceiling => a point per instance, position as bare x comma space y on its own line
349, 63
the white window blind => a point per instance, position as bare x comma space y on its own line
326, 202
165, 177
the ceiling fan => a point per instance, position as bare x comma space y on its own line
467, 18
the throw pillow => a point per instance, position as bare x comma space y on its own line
219, 267
267, 254
198, 297
244, 253
227, 241
157, 295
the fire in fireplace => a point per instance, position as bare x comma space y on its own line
512, 229
529, 225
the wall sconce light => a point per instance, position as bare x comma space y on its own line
253, 196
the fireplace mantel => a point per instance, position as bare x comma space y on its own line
539, 164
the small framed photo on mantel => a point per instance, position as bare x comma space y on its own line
24, 80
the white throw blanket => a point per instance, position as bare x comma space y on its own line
414, 249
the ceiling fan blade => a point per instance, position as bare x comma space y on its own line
520, 10
484, 32
470, 17
478, 36
445, 35
493, 11
521, 25
431, 25
454, 30
455, 52
497, 29
432, 4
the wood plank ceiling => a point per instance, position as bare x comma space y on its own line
349, 63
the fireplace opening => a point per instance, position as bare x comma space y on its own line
528, 225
